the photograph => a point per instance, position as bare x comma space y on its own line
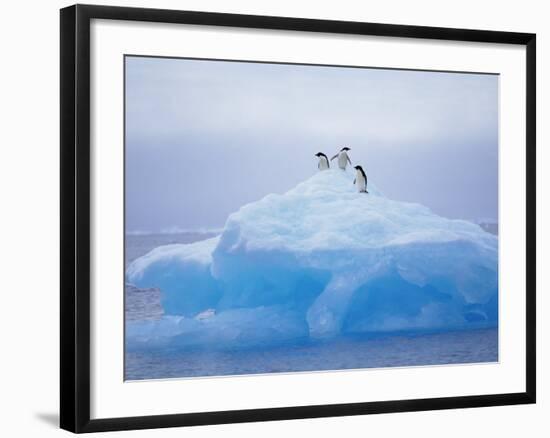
286, 218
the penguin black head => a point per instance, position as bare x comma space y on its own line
319, 154
358, 168
345, 149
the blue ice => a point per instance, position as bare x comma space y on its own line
320, 261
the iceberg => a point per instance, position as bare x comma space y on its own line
320, 261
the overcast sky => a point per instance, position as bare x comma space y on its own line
205, 137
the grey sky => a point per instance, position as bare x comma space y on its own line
205, 137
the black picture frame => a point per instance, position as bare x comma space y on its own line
75, 217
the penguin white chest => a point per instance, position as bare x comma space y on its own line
323, 163
360, 181
342, 160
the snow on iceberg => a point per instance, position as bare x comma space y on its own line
322, 260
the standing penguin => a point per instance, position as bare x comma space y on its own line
323, 161
343, 158
360, 180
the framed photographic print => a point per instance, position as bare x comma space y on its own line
271, 218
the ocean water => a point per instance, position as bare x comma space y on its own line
473, 346
459, 347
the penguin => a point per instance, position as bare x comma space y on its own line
323, 161
360, 180
343, 158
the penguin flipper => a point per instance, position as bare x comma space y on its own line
349, 160
334, 157
354, 180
